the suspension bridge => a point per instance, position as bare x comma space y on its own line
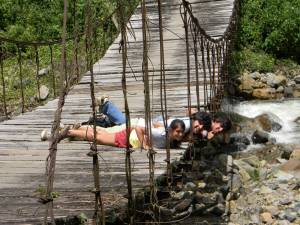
22, 154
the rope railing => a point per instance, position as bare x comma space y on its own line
20, 49
210, 56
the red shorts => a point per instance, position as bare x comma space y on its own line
120, 139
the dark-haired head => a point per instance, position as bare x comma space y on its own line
176, 131
221, 122
203, 118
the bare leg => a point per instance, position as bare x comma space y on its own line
87, 133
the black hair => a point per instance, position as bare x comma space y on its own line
223, 119
177, 123
203, 118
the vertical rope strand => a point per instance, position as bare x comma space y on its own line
194, 34
163, 95
147, 103
75, 40
52, 71
55, 137
98, 216
37, 62
3, 80
131, 207
21, 78
186, 29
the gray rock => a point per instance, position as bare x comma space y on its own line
255, 75
264, 93
44, 93
283, 176
270, 77
268, 122
280, 89
297, 87
252, 160
25, 82
218, 209
183, 205
289, 215
200, 207
297, 120
283, 222
297, 79
190, 186
235, 184
285, 201
165, 212
179, 195
238, 137
260, 137
288, 92
43, 72
207, 198
291, 83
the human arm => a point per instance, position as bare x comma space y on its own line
140, 132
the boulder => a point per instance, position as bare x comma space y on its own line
266, 217
296, 94
297, 120
291, 165
288, 92
255, 75
260, 137
297, 79
183, 205
43, 72
247, 83
264, 93
259, 84
44, 92
279, 80
238, 137
270, 77
295, 154
268, 122
280, 89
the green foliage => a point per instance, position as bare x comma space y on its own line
29, 20
41, 189
253, 61
272, 26
254, 175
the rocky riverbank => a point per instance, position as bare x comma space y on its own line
256, 85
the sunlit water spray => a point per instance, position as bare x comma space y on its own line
287, 111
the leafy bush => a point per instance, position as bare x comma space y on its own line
253, 61
272, 26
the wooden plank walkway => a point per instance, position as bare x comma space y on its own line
22, 154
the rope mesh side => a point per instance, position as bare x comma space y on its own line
128, 167
37, 62
147, 103
214, 53
3, 80
55, 136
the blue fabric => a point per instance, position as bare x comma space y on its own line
113, 113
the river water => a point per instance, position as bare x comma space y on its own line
286, 111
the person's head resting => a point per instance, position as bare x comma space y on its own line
220, 123
176, 130
201, 121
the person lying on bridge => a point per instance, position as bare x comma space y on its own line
117, 137
111, 115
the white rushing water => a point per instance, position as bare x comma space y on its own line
287, 111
